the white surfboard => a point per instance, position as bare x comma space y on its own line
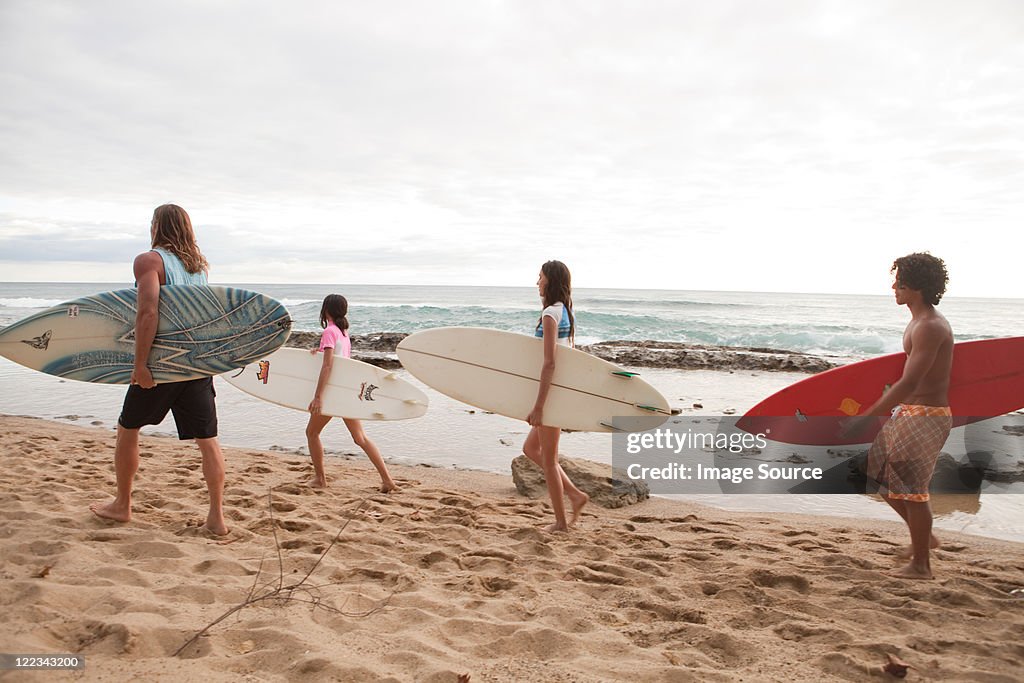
500, 372
355, 389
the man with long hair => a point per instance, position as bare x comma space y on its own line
175, 259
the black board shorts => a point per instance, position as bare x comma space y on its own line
192, 404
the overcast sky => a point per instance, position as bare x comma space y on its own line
764, 146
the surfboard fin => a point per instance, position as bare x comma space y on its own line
611, 427
627, 375
652, 409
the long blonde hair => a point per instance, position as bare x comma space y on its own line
172, 230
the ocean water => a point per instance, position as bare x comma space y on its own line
826, 324
455, 435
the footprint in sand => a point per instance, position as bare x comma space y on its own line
672, 613
729, 652
648, 568
589, 575
94, 637
768, 579
807, 545
496, 584
298, 526
486, 559
190, 593
798, 532
806, 633
530, 534
123, 576
221, 568
47, 548
436, 557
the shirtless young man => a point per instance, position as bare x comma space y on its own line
902, 458
174, 260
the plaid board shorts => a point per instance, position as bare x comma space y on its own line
902, 458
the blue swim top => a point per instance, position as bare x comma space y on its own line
560, 315
174, 270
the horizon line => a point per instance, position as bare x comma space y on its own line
463, 286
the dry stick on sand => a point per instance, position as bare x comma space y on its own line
284, 593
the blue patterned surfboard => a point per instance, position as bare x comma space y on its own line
203, 331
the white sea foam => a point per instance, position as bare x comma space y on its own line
855, 326
29, 302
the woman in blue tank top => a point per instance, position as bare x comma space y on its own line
556, 326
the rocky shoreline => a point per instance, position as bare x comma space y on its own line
379, 349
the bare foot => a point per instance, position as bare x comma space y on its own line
216, 526
317, 483
112, 510
389, 487
577, 508
908, 552
912, 571
556, 528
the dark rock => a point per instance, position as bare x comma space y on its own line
957, 476
607, 488
378, 348
659, 354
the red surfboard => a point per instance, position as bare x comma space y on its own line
987, 381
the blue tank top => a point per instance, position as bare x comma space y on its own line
560, 315
174, 270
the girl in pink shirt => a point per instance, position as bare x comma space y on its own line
335, 341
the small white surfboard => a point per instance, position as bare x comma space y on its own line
500, 372
355, 389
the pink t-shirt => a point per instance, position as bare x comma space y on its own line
334, 338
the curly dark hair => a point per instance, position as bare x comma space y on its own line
923, 272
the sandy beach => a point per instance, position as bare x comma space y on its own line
454, 576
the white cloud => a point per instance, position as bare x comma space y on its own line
732, 145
